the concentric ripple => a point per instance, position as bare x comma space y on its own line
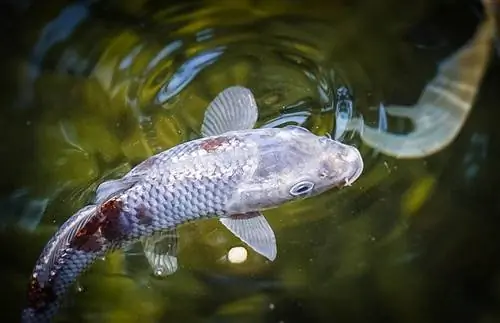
132, 86
177, 72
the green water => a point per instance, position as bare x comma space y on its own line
89, 91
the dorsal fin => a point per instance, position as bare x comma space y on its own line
112, 187
232, 109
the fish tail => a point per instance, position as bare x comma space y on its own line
45, 300
74, 247
491, 8
459, 77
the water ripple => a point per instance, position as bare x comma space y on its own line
186, 73
145, 86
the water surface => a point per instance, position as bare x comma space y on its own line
92, 88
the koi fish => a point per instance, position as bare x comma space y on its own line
233, 173
444, 104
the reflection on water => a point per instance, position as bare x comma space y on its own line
101, 85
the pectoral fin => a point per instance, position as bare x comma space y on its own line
161, 252
254, 230
233, 109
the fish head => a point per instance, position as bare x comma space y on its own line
294, 163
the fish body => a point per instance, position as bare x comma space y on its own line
233, 173
445, 102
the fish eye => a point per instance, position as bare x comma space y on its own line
301, 188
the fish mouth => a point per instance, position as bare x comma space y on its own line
357, 167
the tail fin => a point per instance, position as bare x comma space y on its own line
63, 259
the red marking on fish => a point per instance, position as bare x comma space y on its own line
88, 237
110, 211
38, 296
214, 143
92, 243
143, 216
105, 224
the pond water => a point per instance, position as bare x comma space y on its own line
92, 88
